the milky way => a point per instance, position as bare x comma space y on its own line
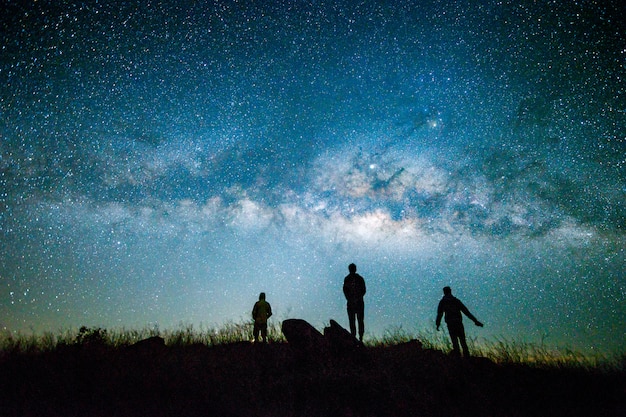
162, 163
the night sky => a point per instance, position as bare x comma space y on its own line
161, 163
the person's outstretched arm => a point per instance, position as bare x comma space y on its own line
470, 315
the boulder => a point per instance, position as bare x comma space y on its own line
340, 339
151, 343
303, 337
151, 346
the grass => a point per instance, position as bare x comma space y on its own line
500, 350
217, 371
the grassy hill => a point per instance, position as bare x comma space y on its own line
185, 373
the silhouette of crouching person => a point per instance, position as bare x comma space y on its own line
260, 313
452, 307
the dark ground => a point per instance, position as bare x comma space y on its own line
242, 379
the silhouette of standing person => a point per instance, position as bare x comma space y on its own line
354, 290
260, 313
452, 307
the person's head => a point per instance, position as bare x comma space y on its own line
447, 291
352, 268
262, 296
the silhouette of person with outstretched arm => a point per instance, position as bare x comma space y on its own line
260, 313
354, 290
452, 307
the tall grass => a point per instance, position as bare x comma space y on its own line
521, 352
397, 334
505, 351
183, 335
499, 350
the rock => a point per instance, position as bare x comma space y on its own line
340, 339
151, 346
303, 337
154, 342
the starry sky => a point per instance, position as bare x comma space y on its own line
163, 162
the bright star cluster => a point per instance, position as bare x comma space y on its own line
165, 162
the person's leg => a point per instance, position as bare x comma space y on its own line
255, 331
360, 314
351, 320
452, 329
264, 332
463, 341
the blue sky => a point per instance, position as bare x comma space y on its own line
164, 163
